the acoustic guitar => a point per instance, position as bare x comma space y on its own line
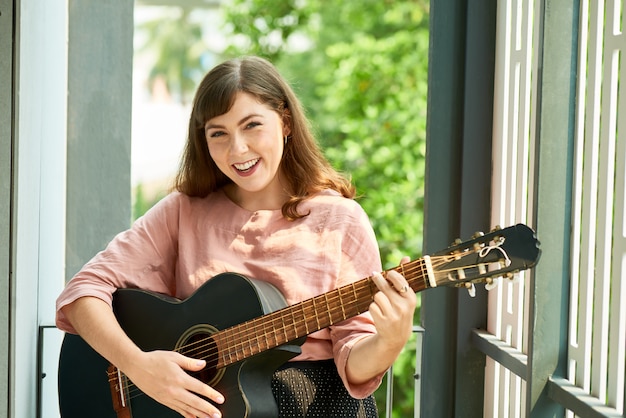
244, 329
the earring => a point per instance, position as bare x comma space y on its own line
286, 139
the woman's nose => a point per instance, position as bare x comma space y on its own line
239, 145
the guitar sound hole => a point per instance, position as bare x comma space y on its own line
197, 343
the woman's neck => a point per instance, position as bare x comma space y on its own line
255, 201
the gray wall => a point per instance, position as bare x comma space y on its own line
99, 126
6, 112
64, 181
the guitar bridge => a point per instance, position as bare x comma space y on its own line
119, 392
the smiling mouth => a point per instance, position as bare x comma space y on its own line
247, 165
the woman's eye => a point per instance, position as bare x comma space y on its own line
215, 134
252, 125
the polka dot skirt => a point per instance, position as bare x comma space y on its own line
314, 389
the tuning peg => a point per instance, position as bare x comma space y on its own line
471, 289
492, 283
496, 228
456, 242
477, 234
513, 278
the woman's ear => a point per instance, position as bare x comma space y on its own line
286, 122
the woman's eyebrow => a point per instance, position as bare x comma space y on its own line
241, 122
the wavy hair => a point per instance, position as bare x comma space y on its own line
304, 166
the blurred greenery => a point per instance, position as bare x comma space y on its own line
175, 40
360, 69
142, 202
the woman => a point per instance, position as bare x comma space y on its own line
254, 195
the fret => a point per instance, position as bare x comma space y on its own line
269, 338
230, 344
341, 304
362, 299
356, 297
260, 344
221, 351
306, 322
246, 349
275, 331
328, 308
239, 345
226, 343
317, 319
424, 278
295, 324
337, 308
270, 332
253, 337
264, 335
233, 346
274, 324
324, 311
300, 319
244, 343
284, 328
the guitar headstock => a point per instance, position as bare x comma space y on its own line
485, 257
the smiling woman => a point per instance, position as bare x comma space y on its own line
254, 196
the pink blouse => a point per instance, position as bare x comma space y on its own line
182, 242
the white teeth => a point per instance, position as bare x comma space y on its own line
245, 166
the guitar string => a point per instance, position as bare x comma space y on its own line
263, 327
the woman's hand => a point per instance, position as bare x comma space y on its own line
393, 309
161, 375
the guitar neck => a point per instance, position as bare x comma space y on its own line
293, 322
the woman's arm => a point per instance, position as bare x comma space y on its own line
392, 312
159, 374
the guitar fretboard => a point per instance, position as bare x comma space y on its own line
293, 322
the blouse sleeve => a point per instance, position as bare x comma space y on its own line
142, 257
360, 258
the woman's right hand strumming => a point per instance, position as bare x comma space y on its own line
159, 374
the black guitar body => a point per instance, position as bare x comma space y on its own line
156, 322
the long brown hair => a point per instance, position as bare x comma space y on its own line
305, 168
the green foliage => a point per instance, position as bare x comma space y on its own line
361, 71
177, 47
142, 202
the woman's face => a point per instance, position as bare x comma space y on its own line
246, 144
